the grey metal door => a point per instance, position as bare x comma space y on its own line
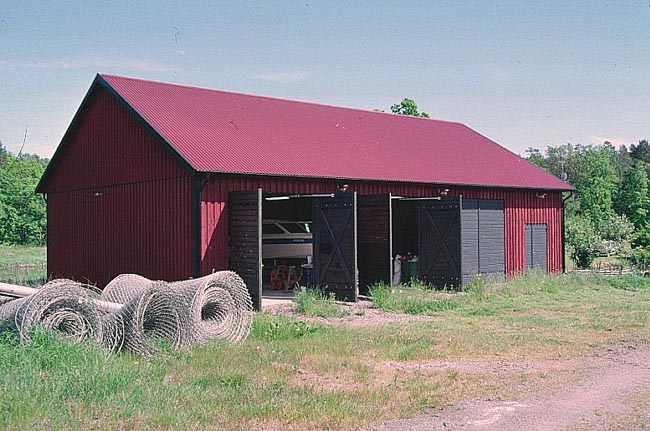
492, 254
335, 245
536, 247
375, 240
245, 239
439, 227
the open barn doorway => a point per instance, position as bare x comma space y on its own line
287, 245
279, 241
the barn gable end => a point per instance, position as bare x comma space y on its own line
107, 145
118, 201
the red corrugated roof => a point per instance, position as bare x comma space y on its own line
219, 131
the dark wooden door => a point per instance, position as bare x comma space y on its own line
335, 245
374, 240
245, 239
440, 242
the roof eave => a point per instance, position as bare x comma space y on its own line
567, 188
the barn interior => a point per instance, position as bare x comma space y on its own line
364, 233
286, 243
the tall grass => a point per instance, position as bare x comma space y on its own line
316, 302
23, 265
417, 299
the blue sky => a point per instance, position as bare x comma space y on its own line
523, 73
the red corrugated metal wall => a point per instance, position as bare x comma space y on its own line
96, 234
521, 207
118, 201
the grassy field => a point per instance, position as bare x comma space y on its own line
293, 374
23, 265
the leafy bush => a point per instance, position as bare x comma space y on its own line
583, 241
269, 327
642, 236
640, 258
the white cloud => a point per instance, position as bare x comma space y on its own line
285, 77
96, 63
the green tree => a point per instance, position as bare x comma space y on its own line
632, 199
592, 171
22, 211
641, 151
407, 107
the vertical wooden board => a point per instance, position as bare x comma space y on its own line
245, 239
335, 245
440, 241
374, 240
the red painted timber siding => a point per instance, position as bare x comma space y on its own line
118, 201
145, 228
108, 146
521, 207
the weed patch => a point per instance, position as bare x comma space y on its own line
410, 300
629, 282
316, 302
268, 327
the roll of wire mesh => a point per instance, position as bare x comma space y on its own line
149, 315
218, 305
136, 314
64, 307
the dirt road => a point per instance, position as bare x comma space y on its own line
613, 394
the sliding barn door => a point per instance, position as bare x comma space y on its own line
245, 239
440, 242
335, 245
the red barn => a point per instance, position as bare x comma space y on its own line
172, 181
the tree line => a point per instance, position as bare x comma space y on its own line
610, 212
22, 212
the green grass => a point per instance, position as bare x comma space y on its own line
416, 299
23, 265
294, 375
629, 282
315, 302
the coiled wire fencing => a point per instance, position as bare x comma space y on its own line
136, 314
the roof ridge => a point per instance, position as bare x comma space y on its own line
225, 131
282, 99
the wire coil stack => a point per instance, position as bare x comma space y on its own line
134, 313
